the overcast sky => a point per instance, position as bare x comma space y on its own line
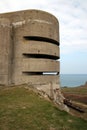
72, 16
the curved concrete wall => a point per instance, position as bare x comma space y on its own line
42, 65
35, 47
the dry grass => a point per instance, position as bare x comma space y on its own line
77, 95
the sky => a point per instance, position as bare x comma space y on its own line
72, 16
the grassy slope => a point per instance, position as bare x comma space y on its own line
79, 96
76, 93
82, 90
22, 109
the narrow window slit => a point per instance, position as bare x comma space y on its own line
32, 73
50, 73
40, 73
43, 39
44, 56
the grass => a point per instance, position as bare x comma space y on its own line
76, 90
78, 95
22, 109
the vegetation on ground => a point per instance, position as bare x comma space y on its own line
76, 93
23, 109
78, 96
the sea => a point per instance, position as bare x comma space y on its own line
72, 80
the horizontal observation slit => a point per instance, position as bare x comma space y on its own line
40, 73
50, 73
43, 56
44, 39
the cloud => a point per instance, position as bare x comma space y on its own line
72, 16
73, 28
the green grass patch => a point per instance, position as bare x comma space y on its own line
75, 90
22, 109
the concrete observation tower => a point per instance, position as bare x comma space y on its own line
29, 48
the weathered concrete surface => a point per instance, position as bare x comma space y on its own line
30, 43
35, 47
5, 51
40, 65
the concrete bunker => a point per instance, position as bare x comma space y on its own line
29, 48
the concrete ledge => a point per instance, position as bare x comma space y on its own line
40, 65
35, 47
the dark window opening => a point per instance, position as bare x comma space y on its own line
37, 38
33, 73
40, 73
44, 56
